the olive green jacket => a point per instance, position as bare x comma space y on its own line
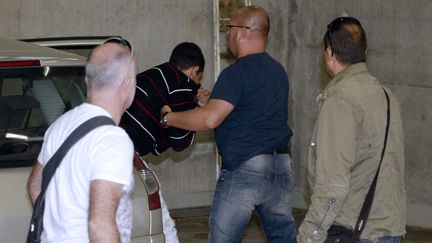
344, 156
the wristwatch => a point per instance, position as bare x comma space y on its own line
163, 120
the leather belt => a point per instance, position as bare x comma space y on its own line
286, 149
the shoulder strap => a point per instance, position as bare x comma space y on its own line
365, 210
76, 135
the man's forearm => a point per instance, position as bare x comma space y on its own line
103, 232
35, 182
206, 118
189, 120
104, 200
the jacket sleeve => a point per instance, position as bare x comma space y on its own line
335, 152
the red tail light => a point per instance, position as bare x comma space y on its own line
154, 201
150, 182
20, 63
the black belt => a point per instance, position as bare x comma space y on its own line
286, 149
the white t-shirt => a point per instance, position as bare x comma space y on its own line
106, 153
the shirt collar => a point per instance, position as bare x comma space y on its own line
348, 71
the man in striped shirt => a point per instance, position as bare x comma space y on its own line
175, 83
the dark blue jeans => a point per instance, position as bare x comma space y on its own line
264, 184
385, 239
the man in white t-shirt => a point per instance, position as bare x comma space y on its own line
94, 180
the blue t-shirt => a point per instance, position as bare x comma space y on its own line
257, 86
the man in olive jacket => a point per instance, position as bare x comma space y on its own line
347, 142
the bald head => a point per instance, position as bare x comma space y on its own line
111, 77
255, 17
249, 27
107, 66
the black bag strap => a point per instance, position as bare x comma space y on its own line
76, 135
36, 222
367, 205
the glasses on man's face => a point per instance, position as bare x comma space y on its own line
336, 25
229, 26
121, 41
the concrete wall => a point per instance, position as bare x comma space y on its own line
398, 34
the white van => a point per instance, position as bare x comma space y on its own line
37, 85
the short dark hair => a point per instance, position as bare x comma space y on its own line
187, 54
347, 40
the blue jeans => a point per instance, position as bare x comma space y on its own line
385, 239
264, 183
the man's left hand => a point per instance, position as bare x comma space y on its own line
165, 109
203, 96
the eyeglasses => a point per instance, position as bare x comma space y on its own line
229, 26
120, 41
336, 24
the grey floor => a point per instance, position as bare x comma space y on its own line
192, 227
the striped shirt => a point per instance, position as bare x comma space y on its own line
158, 86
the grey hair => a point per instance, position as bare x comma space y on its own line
108, 72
